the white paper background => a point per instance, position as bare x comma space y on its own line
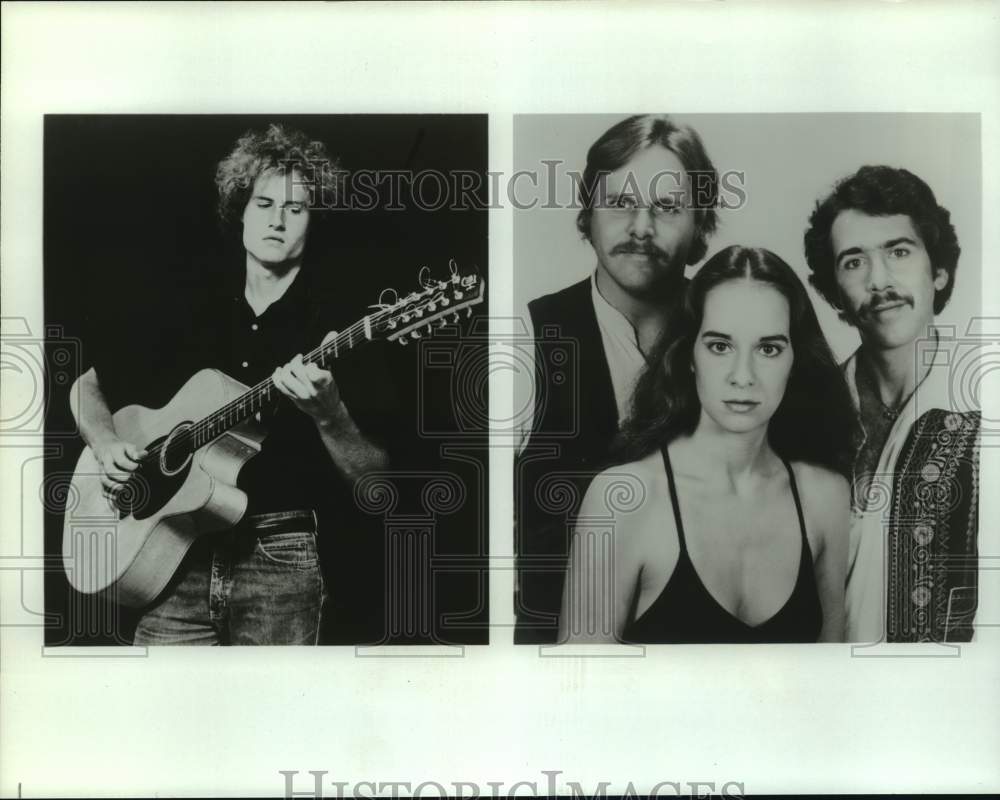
226, 721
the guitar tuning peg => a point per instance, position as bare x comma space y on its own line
454, 317
468, 312
444, 323
445, 301
414, 334
403, 341
432, 306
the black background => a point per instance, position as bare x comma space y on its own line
130, 229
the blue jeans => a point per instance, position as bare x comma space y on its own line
259, 583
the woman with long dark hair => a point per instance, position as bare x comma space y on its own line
727, 519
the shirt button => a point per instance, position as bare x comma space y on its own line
254, 327
246, 364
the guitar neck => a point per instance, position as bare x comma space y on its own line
265, 393
398, 321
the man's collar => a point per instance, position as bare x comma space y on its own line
934, 357
294, 296
610, 316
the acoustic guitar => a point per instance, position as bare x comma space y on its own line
130, 544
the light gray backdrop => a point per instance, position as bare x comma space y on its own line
789, 161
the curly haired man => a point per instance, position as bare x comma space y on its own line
884, 254
259, 583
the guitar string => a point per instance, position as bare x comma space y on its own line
402, 308
349, 336
262, 391
255, 393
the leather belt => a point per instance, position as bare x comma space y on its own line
280, 522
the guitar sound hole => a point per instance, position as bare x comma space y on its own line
149, 489
175, 454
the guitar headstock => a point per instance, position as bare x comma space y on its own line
429, 308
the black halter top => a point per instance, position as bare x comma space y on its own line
686, 612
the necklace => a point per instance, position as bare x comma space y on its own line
889, 412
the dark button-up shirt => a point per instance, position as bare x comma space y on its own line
219, 330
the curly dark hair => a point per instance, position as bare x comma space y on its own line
281, 149
815, 421
622, 141
881, 191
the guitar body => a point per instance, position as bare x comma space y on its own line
133, 556
130, 546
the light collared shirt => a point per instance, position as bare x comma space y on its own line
621, 350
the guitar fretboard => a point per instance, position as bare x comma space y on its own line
264, 393
394, 321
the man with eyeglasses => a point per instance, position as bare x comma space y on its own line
647, 198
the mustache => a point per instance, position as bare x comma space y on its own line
883, 298
647, 249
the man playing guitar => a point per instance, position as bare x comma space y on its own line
259, 582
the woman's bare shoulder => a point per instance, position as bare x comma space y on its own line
632, 477
819, 479
625, 490
826, 494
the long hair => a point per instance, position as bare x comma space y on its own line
881, 191
621, 142
815, 421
